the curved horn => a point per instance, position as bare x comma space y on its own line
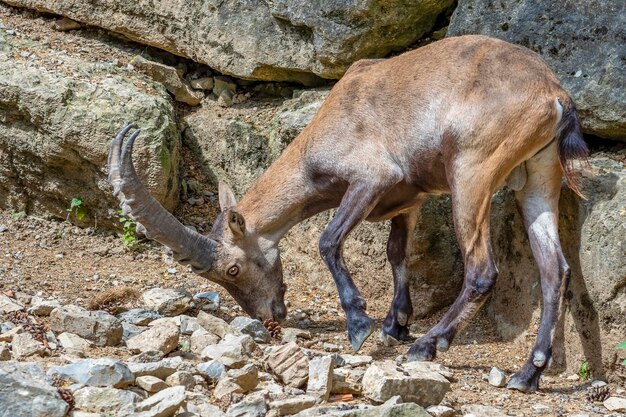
189, 247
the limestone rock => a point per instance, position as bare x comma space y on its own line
168, 76
252, 405
497, 377
200, 339
139, 316
161, 369
150, 383
617, 404
383, 380
241, 39
199, 404
210, 300
204, 83
361, 410
7, 304
64, 24
347, 381
320, 380
162, 404
166, 301
352, 361
569, 35
289, 363
293, 405
97, 326
105, 400
181, 378
291, 334
5, 352
41, 307
25, 345
23, 395
73, 344
163, 338
237, 381
251, 327
76, 133
232, 351
441, 411
102, 372
212, 370
213, 324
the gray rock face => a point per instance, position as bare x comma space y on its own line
569, 35
169, 77
251, 327
252, 405
57, 128
21, 395
168, 302
97, 326
103, 372
383, 380
240, 39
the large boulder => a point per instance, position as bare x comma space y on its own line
56, 126
280, 40
583, 41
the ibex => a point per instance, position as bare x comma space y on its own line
464, 116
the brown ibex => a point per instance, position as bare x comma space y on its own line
464, 116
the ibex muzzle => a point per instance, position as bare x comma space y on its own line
458, 116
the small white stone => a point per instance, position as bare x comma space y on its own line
497, 377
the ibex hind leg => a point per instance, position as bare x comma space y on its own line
538, 204
395, 326
471, 203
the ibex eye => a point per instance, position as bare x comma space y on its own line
233, 270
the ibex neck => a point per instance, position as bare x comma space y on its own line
282, 197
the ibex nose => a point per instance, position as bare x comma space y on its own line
279, 311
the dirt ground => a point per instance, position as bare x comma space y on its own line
56, 259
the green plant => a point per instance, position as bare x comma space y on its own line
77, 207
16, 215
622, 346
129, 226
583, 370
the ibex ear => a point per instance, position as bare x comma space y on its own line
227, 197
236, 223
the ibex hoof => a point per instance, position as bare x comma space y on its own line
422, 350
359, 329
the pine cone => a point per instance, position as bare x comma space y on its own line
274, 328
599, 394
21, 318
67, 397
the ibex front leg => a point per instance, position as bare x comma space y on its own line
471, 203
356, 204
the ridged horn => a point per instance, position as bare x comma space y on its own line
189, 247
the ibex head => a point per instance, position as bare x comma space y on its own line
247, 266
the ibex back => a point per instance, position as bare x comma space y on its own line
462, 116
